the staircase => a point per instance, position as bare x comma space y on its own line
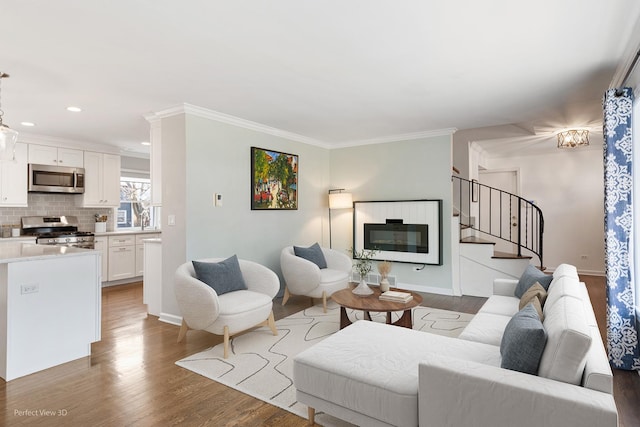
487, 217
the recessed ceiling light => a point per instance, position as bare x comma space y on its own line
145, 143
74, 109
29, 124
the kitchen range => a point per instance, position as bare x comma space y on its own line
59, 231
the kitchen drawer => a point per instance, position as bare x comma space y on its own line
141, 237
125, 240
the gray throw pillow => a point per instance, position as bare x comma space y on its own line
313, 253
530, 276
523, 342
224, 276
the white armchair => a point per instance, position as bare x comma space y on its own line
303, 277
232, 312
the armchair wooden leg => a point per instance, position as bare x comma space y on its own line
272, 323
226, 342
286, 296
183, 330
312, 415
324, 301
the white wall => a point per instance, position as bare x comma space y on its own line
404, 170
201, 157
568, 187
174, 197
219, 161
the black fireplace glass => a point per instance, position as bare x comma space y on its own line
397, 237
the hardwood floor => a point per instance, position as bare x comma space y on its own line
131, 378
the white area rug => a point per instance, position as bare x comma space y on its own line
261, 364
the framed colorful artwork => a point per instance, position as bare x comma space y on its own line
274, 180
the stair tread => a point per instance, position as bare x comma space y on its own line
507, 255
476, 240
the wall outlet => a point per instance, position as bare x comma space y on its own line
584, 257
217, 199
29, 288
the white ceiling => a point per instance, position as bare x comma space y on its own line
337, 72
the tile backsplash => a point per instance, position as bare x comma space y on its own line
50, 204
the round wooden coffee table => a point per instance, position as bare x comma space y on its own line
347, 299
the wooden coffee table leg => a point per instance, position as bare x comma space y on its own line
344, 319
406, 320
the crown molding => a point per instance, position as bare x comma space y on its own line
194, 110
396, 138
54, 141
231, 120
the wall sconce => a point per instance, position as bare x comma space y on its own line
338, 200
573, 138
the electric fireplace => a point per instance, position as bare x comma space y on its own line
395, 236
408, 231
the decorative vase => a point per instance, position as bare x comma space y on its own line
362, 289
384, 285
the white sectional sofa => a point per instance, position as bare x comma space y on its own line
373, 374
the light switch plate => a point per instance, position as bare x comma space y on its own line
218, 199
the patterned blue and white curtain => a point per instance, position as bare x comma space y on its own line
622, 329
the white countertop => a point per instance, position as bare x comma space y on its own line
20, 251
122, 232
31, 239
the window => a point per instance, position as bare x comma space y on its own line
135, 203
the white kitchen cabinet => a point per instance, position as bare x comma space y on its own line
56, 156
152, 281
101, 180
140, 250
58, 318
13, 179
102, 244
122, 257
139, 260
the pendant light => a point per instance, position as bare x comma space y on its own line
8, 136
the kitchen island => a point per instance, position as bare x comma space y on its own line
50, 306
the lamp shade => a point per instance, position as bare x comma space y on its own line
340, 201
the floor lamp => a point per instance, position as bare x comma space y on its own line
338, 200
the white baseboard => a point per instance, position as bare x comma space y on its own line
171, 319
427, 289
592, 273
122, 282
585, 272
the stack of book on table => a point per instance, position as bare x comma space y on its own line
396, 296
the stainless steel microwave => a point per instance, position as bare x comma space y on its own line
55, 179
